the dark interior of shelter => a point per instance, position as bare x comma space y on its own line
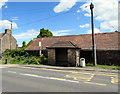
61, 57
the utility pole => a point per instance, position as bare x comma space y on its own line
11, 25
93, 38
11, 37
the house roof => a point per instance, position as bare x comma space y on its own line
1, 35
63, 44
83, 41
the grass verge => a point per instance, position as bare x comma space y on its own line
108, 67
112, 67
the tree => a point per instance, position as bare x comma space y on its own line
30, 42
24, 44
45, 33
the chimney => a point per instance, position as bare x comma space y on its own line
8, 31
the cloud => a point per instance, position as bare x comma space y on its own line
86, 25
15, 18
61, 32
30, 34
87, 14
86, 7
95, 31
64, 5
6, 6
2, 3
107, 15
78, 11
105, 11
5, 24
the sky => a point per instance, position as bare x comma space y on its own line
64, 17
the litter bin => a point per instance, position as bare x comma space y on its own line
82, 62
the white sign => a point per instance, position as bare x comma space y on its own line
39, 44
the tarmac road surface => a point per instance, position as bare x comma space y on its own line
25, 79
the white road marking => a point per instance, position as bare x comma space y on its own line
52, 78
60, 79
11, 71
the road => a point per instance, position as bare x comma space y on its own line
25, 79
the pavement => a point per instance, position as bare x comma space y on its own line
71, 68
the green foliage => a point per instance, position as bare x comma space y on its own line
43, 59
23, 60
108, 67
31, 41
21, 57
32, 60
45, 33
24, 44
89, 64
15, 52
112, 67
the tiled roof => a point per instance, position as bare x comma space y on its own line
84, 41
63, 44
1, 35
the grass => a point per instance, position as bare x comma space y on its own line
112, 67
108, 67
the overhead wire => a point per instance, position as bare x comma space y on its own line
47, 18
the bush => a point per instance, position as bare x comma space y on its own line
43, 59
32, 60
23, 60
19, 56
15, 52
89, 64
